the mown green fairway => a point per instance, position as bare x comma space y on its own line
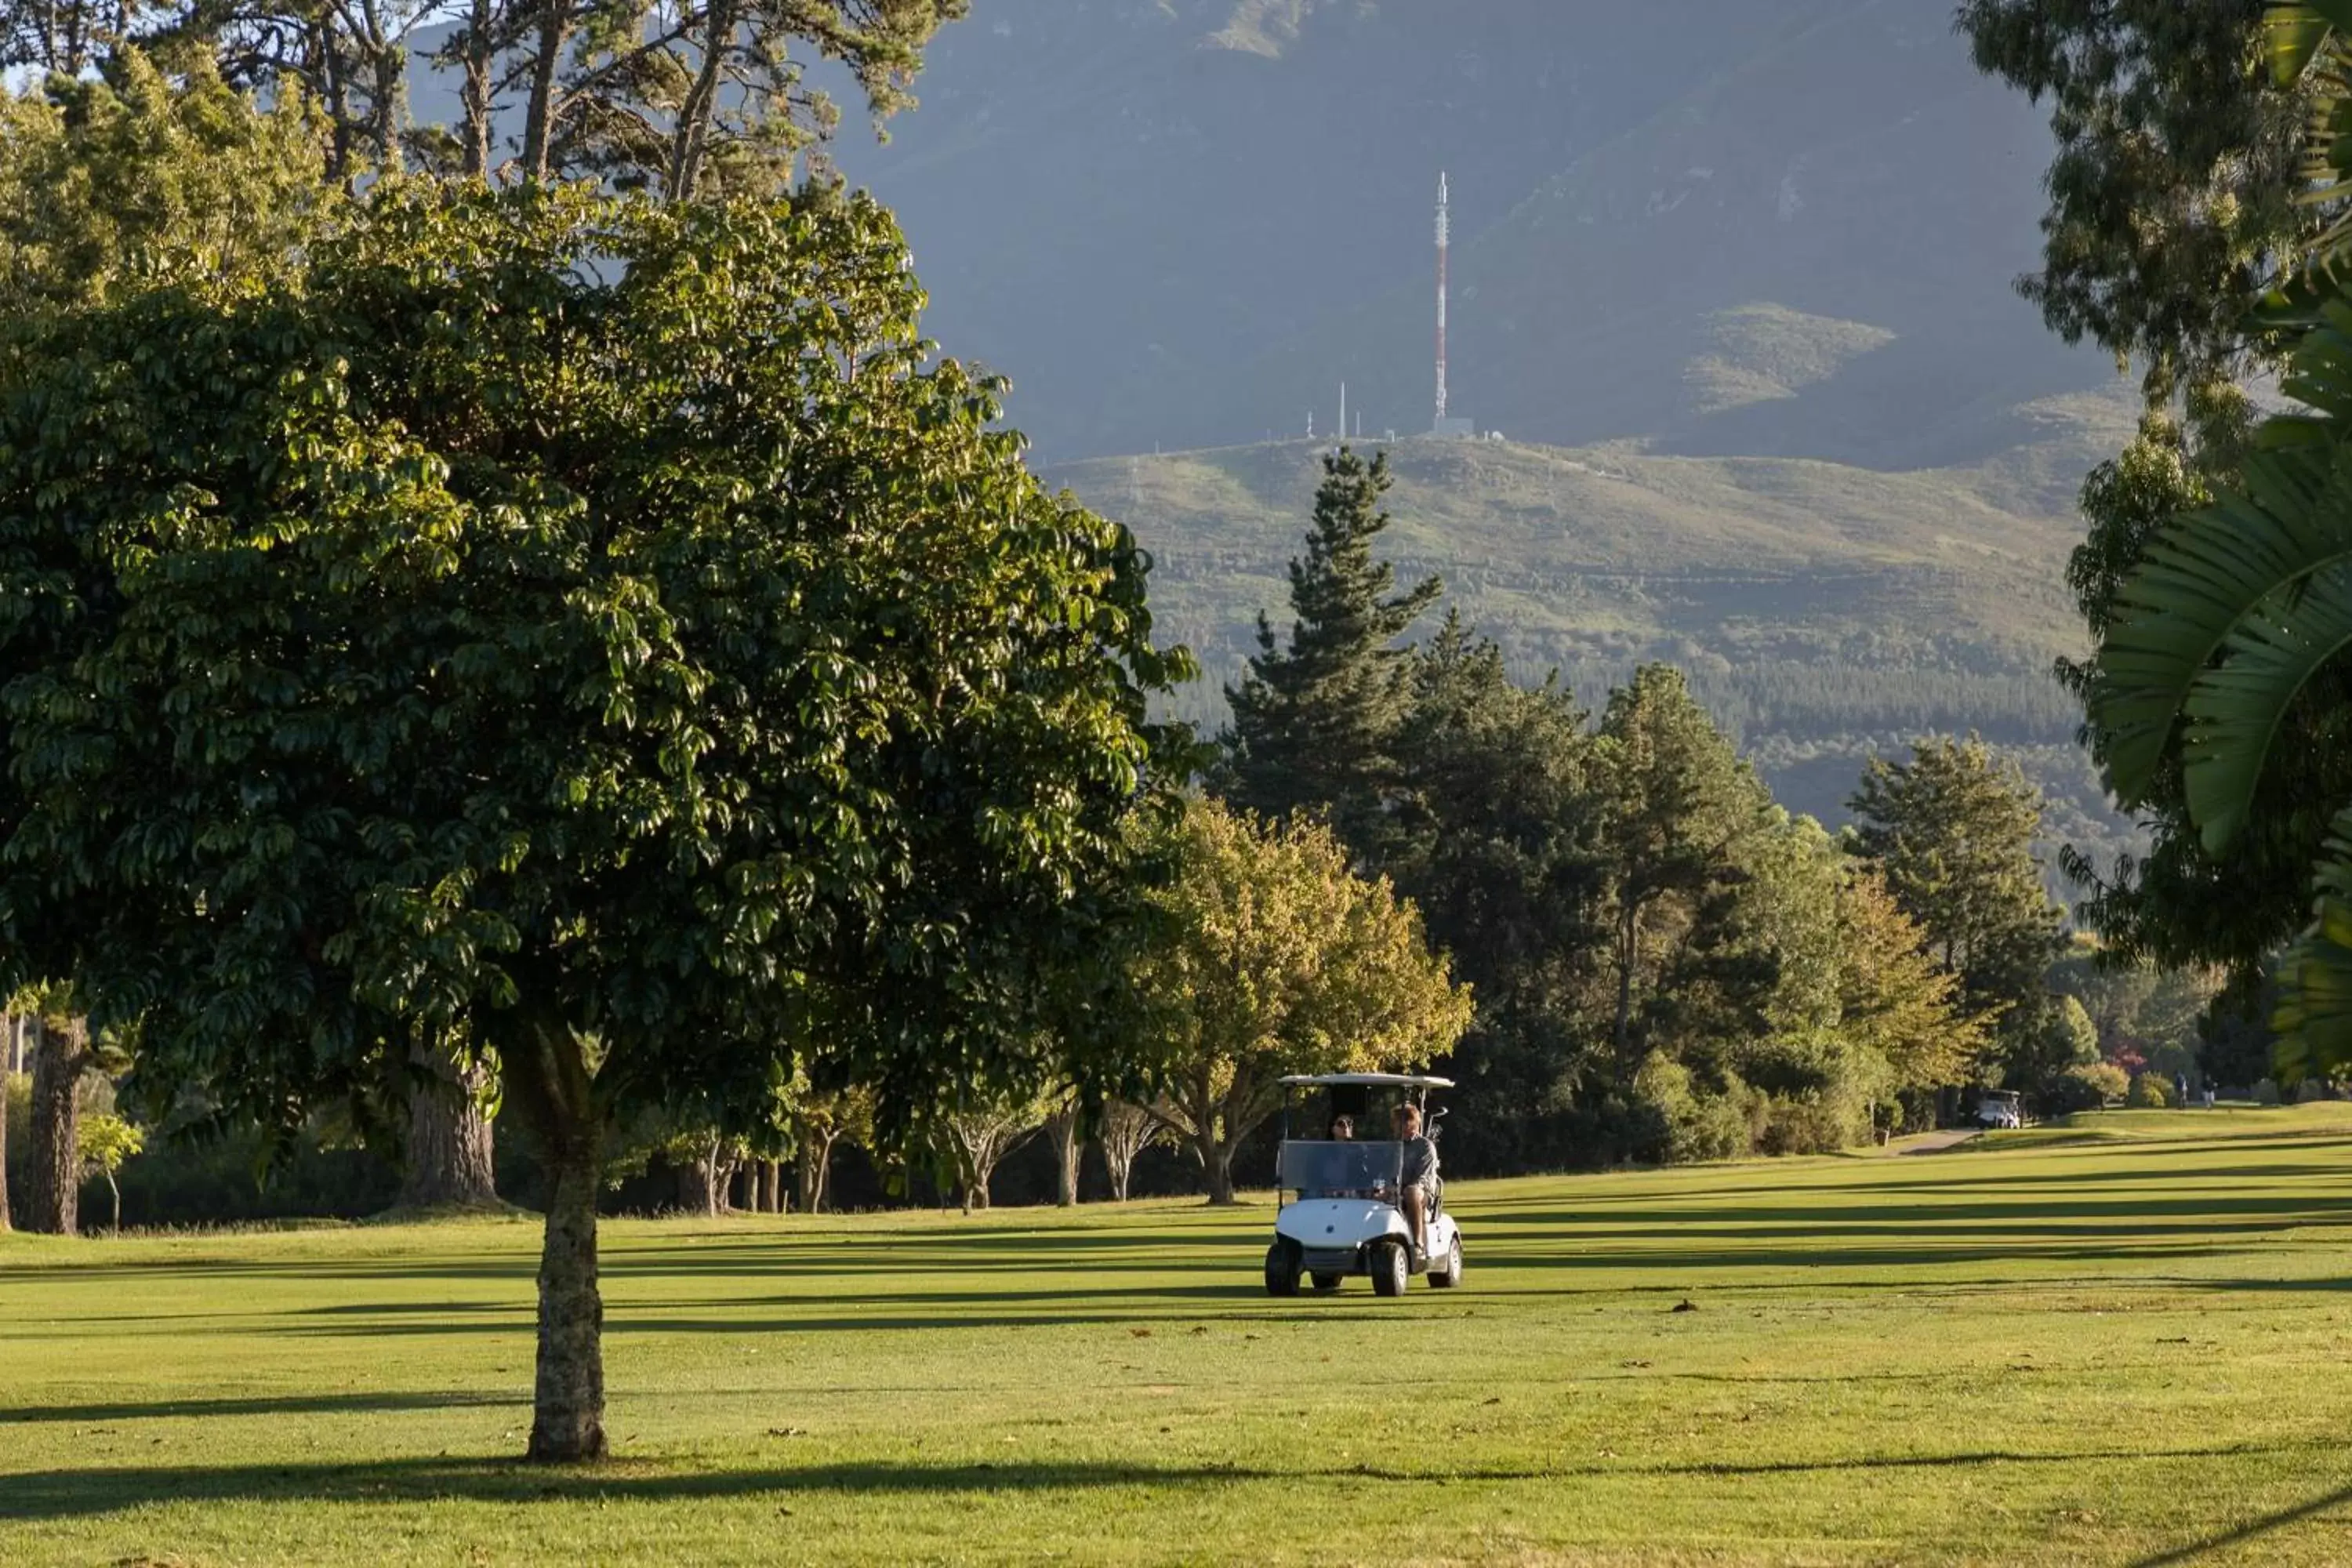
2123, 1349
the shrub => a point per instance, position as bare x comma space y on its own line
1813, 1124
2091, 1086
1686, 1120
2309, 1091
2149, 1093
2266, 1092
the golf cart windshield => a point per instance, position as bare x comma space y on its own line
1331, 1170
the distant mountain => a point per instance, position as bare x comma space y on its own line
1825, 613
1781, 228
1734, 275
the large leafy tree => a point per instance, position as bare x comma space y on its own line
2175, 190
2224, 665
2181, 193
594, 631
1275, 958
109, 187
1314, 721
137, 181
1894, 1001
673, 97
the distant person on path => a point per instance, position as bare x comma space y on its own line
1420, 1176
2208, 1097
2180, 1089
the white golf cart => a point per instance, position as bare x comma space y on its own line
1338, 1195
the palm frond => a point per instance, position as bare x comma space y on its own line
2313, 1017
2235, 706
2309, 46
2211, 576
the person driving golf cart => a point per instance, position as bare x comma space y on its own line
1352, 1201
1417, 1184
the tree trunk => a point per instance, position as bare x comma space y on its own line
555, 29
552, 1086
1121, 1166
1067, 1149
450, 1150
568, 1399
977, 1174
702, 1186
1629, 941
1217, 1166
116, 1194
816, 1168
10, 1026
693, 129
771, 1185
54, 1197
475, 91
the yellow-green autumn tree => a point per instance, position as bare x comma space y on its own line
1277, 959
1895, 1001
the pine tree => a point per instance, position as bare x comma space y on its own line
1681, 807
1952, 832
1313, 724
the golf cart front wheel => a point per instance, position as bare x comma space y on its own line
1281, 1264
1390, 1270
1450, 1275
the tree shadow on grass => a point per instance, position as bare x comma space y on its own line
258, 1405
80, 1493
2240, 1534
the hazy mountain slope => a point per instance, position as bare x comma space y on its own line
1180, 223
1826, 613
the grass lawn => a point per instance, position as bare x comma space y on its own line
2123, 1346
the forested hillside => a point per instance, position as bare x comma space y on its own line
1825, 614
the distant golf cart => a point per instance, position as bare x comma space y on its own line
2000, 1109
1338, 1199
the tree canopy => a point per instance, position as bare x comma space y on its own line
597, 631
2174, 191
1275, 958
142, 180
2182, 194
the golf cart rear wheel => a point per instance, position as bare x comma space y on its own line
1281, 1264
1389, 1269
1328, 1281
1449, 1274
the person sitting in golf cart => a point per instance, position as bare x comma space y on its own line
1418, 1178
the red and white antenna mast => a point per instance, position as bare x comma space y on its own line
1444, 244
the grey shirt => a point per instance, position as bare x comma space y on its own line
1420, 1162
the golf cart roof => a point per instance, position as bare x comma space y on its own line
1369, 1080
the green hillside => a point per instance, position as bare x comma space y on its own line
1825, 613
